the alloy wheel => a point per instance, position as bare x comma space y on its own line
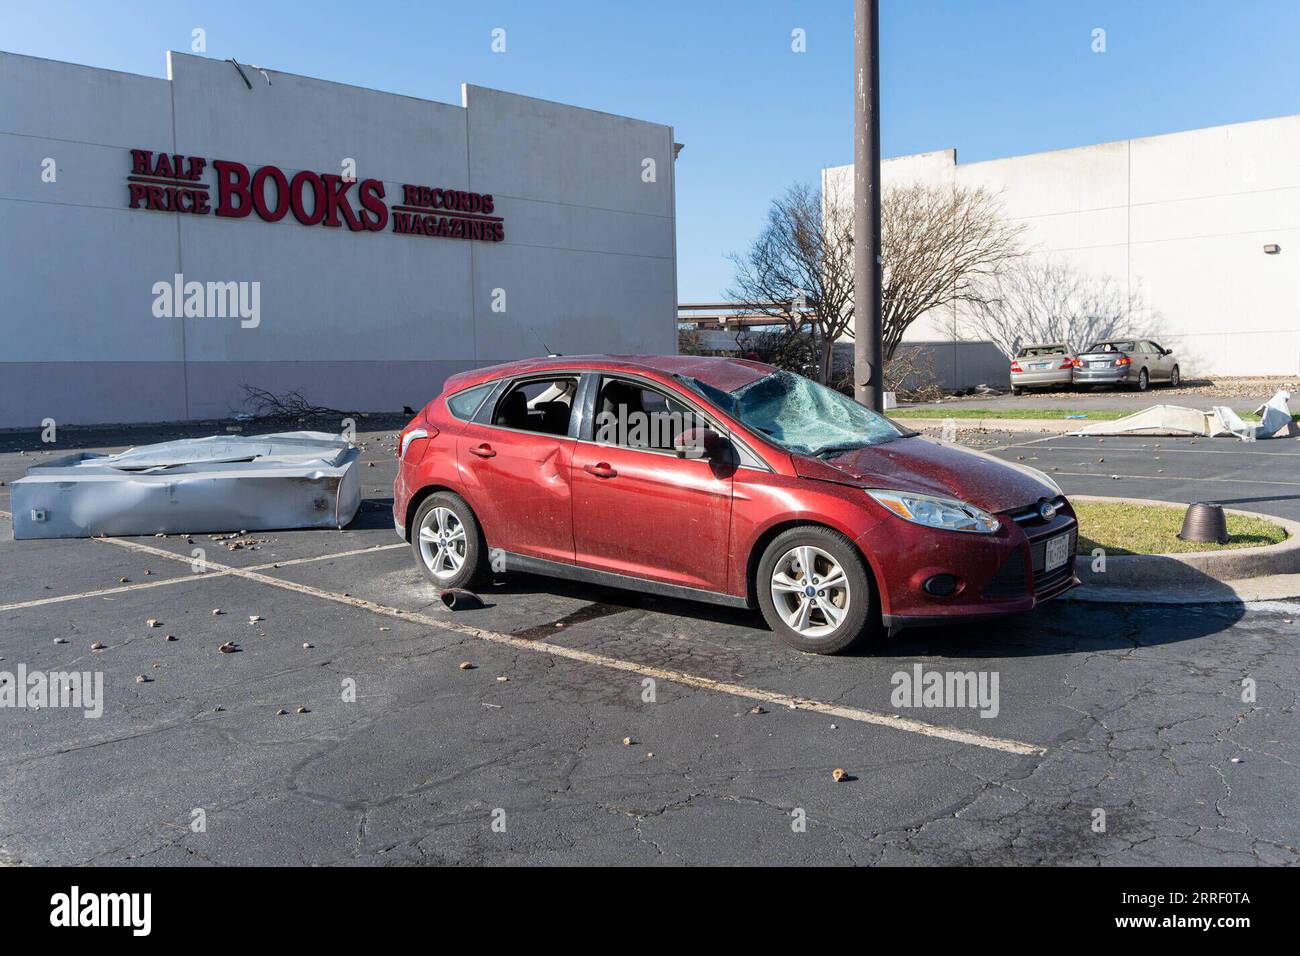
443, 543
810, 591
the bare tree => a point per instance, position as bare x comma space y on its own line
800, 270
943, 247
1046, 300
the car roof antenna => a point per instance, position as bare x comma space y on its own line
549, 353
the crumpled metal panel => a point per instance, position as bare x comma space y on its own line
1159, 420
234, 483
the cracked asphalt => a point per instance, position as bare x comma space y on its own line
1138, 710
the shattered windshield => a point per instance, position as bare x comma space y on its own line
800, 415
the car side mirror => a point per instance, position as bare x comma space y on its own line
698, 443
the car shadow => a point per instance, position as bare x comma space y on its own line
521, 583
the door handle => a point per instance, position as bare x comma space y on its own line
601, 470
483, 451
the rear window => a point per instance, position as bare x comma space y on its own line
464, 404
1112, 347
1033, 351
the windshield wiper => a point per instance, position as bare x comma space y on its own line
842, 446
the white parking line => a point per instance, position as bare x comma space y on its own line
213, 573
1221, 481
645, 670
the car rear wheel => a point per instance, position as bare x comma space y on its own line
814, 590
1017, 390
1144, 381
447, 542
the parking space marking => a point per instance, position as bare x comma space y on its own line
104, 592
755, 694
1221, 481
1177, 451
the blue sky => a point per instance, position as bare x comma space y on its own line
991, 78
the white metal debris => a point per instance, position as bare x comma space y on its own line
1158, 420
221, 483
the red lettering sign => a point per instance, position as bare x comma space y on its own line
172, 182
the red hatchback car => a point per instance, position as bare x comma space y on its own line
726, 481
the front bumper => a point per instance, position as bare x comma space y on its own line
1002, 573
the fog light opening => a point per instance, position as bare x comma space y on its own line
940, 585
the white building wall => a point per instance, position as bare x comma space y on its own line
355, 320
1178, 221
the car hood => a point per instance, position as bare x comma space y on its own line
924, 465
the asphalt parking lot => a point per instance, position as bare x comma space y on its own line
1134, 711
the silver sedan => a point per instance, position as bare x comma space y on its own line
1041, 366
1136, 362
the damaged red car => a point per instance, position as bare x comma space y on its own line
727, 481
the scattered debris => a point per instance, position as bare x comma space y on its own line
627, 741
254, 618
839, 775
302, 710
170, 637
97, 646
458, 599
282, 713
152, 622
216, 611
466, 666
757, 710
60, 640
230, 647
307, 645
143, 679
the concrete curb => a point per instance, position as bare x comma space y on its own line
1056, 426
1268, 573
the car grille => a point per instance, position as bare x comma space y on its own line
1009, 580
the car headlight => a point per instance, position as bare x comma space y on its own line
946, 513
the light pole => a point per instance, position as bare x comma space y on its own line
868, 352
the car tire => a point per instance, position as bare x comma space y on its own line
829, 551
1144, 381
1175, 377
1017, 390
462, 561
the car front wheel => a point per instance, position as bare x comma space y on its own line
814, 590
1175, 378
447, 542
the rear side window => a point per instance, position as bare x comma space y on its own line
538, 405
464, 404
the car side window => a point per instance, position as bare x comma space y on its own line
1155, 347
464, 404
542, 405
635, 416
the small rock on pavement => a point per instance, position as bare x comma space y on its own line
230, 647
143, 679
839, 775
466, 666
97, 646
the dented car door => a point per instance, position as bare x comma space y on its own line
515, 463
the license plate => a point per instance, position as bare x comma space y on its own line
1041, 365
1058, 552
1098, 365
